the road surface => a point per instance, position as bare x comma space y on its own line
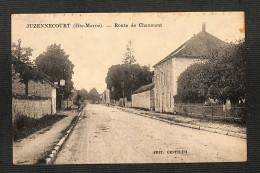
108, 135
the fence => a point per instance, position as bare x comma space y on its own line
212, 112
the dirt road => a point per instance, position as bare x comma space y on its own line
108, 135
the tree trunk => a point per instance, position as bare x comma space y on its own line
26, 87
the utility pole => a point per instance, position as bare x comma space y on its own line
130, 47
19, 49
123, 86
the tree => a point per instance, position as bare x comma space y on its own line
124, 79
221, 77
56, 64
84, 94
129, 57
227, 74
93, 95
81, 96
23, 66
190, 88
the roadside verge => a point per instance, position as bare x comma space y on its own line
52, 156
33, 148
214, 127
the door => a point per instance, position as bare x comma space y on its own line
162, 102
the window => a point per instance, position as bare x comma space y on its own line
162, 79
157, 100
157, 80
168, 100
167, 77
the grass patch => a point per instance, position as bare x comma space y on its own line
42, 160
71, 123
24, 126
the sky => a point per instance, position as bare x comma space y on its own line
94, 49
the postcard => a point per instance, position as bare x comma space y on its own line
108, 88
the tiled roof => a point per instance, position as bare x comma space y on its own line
144, 88
197, 46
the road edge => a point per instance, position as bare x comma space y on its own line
51, 157
228, 133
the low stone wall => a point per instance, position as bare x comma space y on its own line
142, 100
30, 108
128, 104
66, 104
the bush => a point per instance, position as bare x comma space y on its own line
24, 126
25, 97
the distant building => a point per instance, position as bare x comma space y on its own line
168, 70
67, 103
102, 98
105, 97
143, 97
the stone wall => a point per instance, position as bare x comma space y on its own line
31, 108
41, 89
142, 100
66, 104
128, 104
17, 87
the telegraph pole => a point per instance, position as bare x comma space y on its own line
123, 86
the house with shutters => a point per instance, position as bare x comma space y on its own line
167, 71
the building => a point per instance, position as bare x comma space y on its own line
41, 98
105, 97
102, 98
44, 88
143, 97
169, 69
67, 103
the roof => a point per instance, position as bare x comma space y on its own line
197, 46
50, 83
33, 70
144, 88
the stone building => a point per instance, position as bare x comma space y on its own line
105, 97
41, 98
167, 71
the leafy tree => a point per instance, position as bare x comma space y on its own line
23, 66
129, 57
56, 64
124, 79
81, 96
221, 77
78, 100
227, 74
93, 95
190, 88
84, 94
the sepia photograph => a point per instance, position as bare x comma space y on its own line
109, 88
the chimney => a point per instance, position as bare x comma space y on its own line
204, 27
